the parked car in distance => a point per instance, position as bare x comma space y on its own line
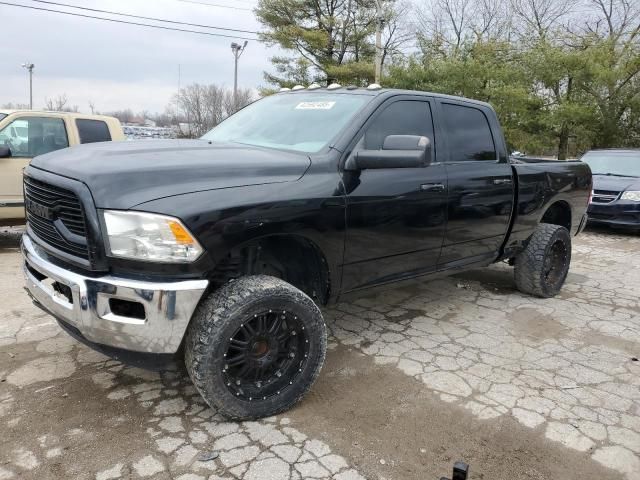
25, 134
616, 187
223, 248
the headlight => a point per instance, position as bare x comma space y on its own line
151, 237
630, 195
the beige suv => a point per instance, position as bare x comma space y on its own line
25, 134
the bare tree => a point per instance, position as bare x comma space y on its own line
92, 107
491, 20
446, 22
15, 106
399, 30
541, 16
205, 106
244, 98
59, 104
56, 104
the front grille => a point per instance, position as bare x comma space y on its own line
56, 206
604, 196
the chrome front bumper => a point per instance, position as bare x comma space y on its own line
168, 307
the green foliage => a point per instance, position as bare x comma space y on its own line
562, 79
552, 99
331, 40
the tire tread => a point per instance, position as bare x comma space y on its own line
206, 330
530, 262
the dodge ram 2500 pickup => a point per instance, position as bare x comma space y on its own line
222, 250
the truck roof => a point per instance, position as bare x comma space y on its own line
374, 92
59, 114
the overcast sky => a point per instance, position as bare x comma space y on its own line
121, 66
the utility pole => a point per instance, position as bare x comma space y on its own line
379, 25
237, 50
29, 66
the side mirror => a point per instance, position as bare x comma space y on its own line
398, 151
5, 151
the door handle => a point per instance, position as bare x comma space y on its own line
501, 181
432, 187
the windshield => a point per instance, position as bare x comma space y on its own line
614, 163
305, 122
2, 115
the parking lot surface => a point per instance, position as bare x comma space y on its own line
417, 377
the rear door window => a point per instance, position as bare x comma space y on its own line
92, 131
469, 134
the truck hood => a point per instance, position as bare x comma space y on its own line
122, 175
617, 184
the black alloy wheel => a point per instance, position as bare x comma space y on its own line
555, 263
265, 354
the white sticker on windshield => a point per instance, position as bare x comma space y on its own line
315, 105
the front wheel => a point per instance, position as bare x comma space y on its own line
542, 267
255, 347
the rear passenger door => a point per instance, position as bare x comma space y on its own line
481, 187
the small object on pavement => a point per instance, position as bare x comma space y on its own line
208, 456
460, 471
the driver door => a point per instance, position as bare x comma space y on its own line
26, 137
395, 216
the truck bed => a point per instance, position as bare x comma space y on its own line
540, 184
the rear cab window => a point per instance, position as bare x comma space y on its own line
92, 131
469, 134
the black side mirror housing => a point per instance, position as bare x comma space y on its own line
398, 151
5, 151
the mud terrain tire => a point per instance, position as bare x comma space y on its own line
542, 267
255, 347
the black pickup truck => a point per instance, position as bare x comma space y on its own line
222, 249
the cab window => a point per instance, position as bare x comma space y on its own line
405, 117
92, 131
33, 136
469, 134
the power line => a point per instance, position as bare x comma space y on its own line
144, 18
250, 2
113, 20
216, 5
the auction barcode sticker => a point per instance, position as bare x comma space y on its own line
315, 105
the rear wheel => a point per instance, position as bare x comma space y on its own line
255, 347
542, 267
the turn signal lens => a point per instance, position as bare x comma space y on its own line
181, 234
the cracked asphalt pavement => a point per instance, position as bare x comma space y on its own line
417, 377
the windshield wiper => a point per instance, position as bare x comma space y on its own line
615, 175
